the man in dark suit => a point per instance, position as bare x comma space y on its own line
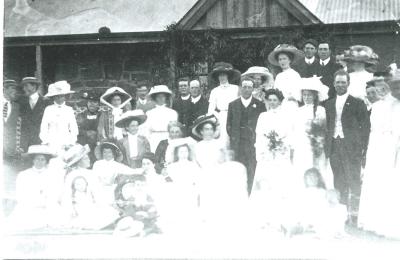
198, 104
181, 103
348, 128
143, 102
327, 67
32, 109
241, 124
309, 66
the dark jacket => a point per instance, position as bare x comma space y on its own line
160, 155
233, 124
355, 123
326, 73
31, 120
182, 107
10, 132
143, 147
305, 70
197, 109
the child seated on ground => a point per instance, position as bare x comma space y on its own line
317, 211
138, 215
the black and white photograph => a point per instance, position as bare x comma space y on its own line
200, 129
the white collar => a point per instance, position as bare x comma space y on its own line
343, 97
185, 97
142, 101
246, 102
310, 60
326, 61
132, 136
161, 106
225, 85
195, 99
34, 96
57, 105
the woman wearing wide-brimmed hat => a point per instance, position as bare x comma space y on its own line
358, 58
207, 151
222, 75
286, 81
263, 79
159, 117
133, 145
59, 128
82, 200
117, 100
37, 191
310, 130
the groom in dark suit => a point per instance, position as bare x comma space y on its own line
241, 124
348, 128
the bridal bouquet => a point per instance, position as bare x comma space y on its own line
275, 143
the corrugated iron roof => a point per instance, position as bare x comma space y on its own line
352, 11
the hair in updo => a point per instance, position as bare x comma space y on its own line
274, 91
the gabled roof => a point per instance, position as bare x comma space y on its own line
294, 7
354, 11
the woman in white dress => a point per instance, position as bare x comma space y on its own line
223, 74
158, 118
379, 206
82, 200
288, 80
37, 193
274, 179
310, 130
207, 151
108, 167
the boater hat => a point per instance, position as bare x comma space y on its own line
285, 48
202, 120
59, 88
129, 116
224, 67
30, 80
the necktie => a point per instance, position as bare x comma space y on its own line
5, 110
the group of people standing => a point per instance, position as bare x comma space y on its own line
297, 151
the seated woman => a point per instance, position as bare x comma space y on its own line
133, 145
82, 200
207, 151
108, 167
138, 214
175, 131
37, 193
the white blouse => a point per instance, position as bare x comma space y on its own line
221, 96
208, 153
288, 82
58, 126
358, 81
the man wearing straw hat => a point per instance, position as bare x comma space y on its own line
32, 110
59, 128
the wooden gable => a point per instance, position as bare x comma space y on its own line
224, 14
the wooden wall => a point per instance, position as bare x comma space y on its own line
246, 13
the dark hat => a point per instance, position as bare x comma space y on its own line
312, 42
9, 83
285, 48
89, 95
227, 68
201, 120
112, 144
30, 80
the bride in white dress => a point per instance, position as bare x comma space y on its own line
309, 130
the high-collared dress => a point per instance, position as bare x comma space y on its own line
58, 127
156, 125
220, 97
